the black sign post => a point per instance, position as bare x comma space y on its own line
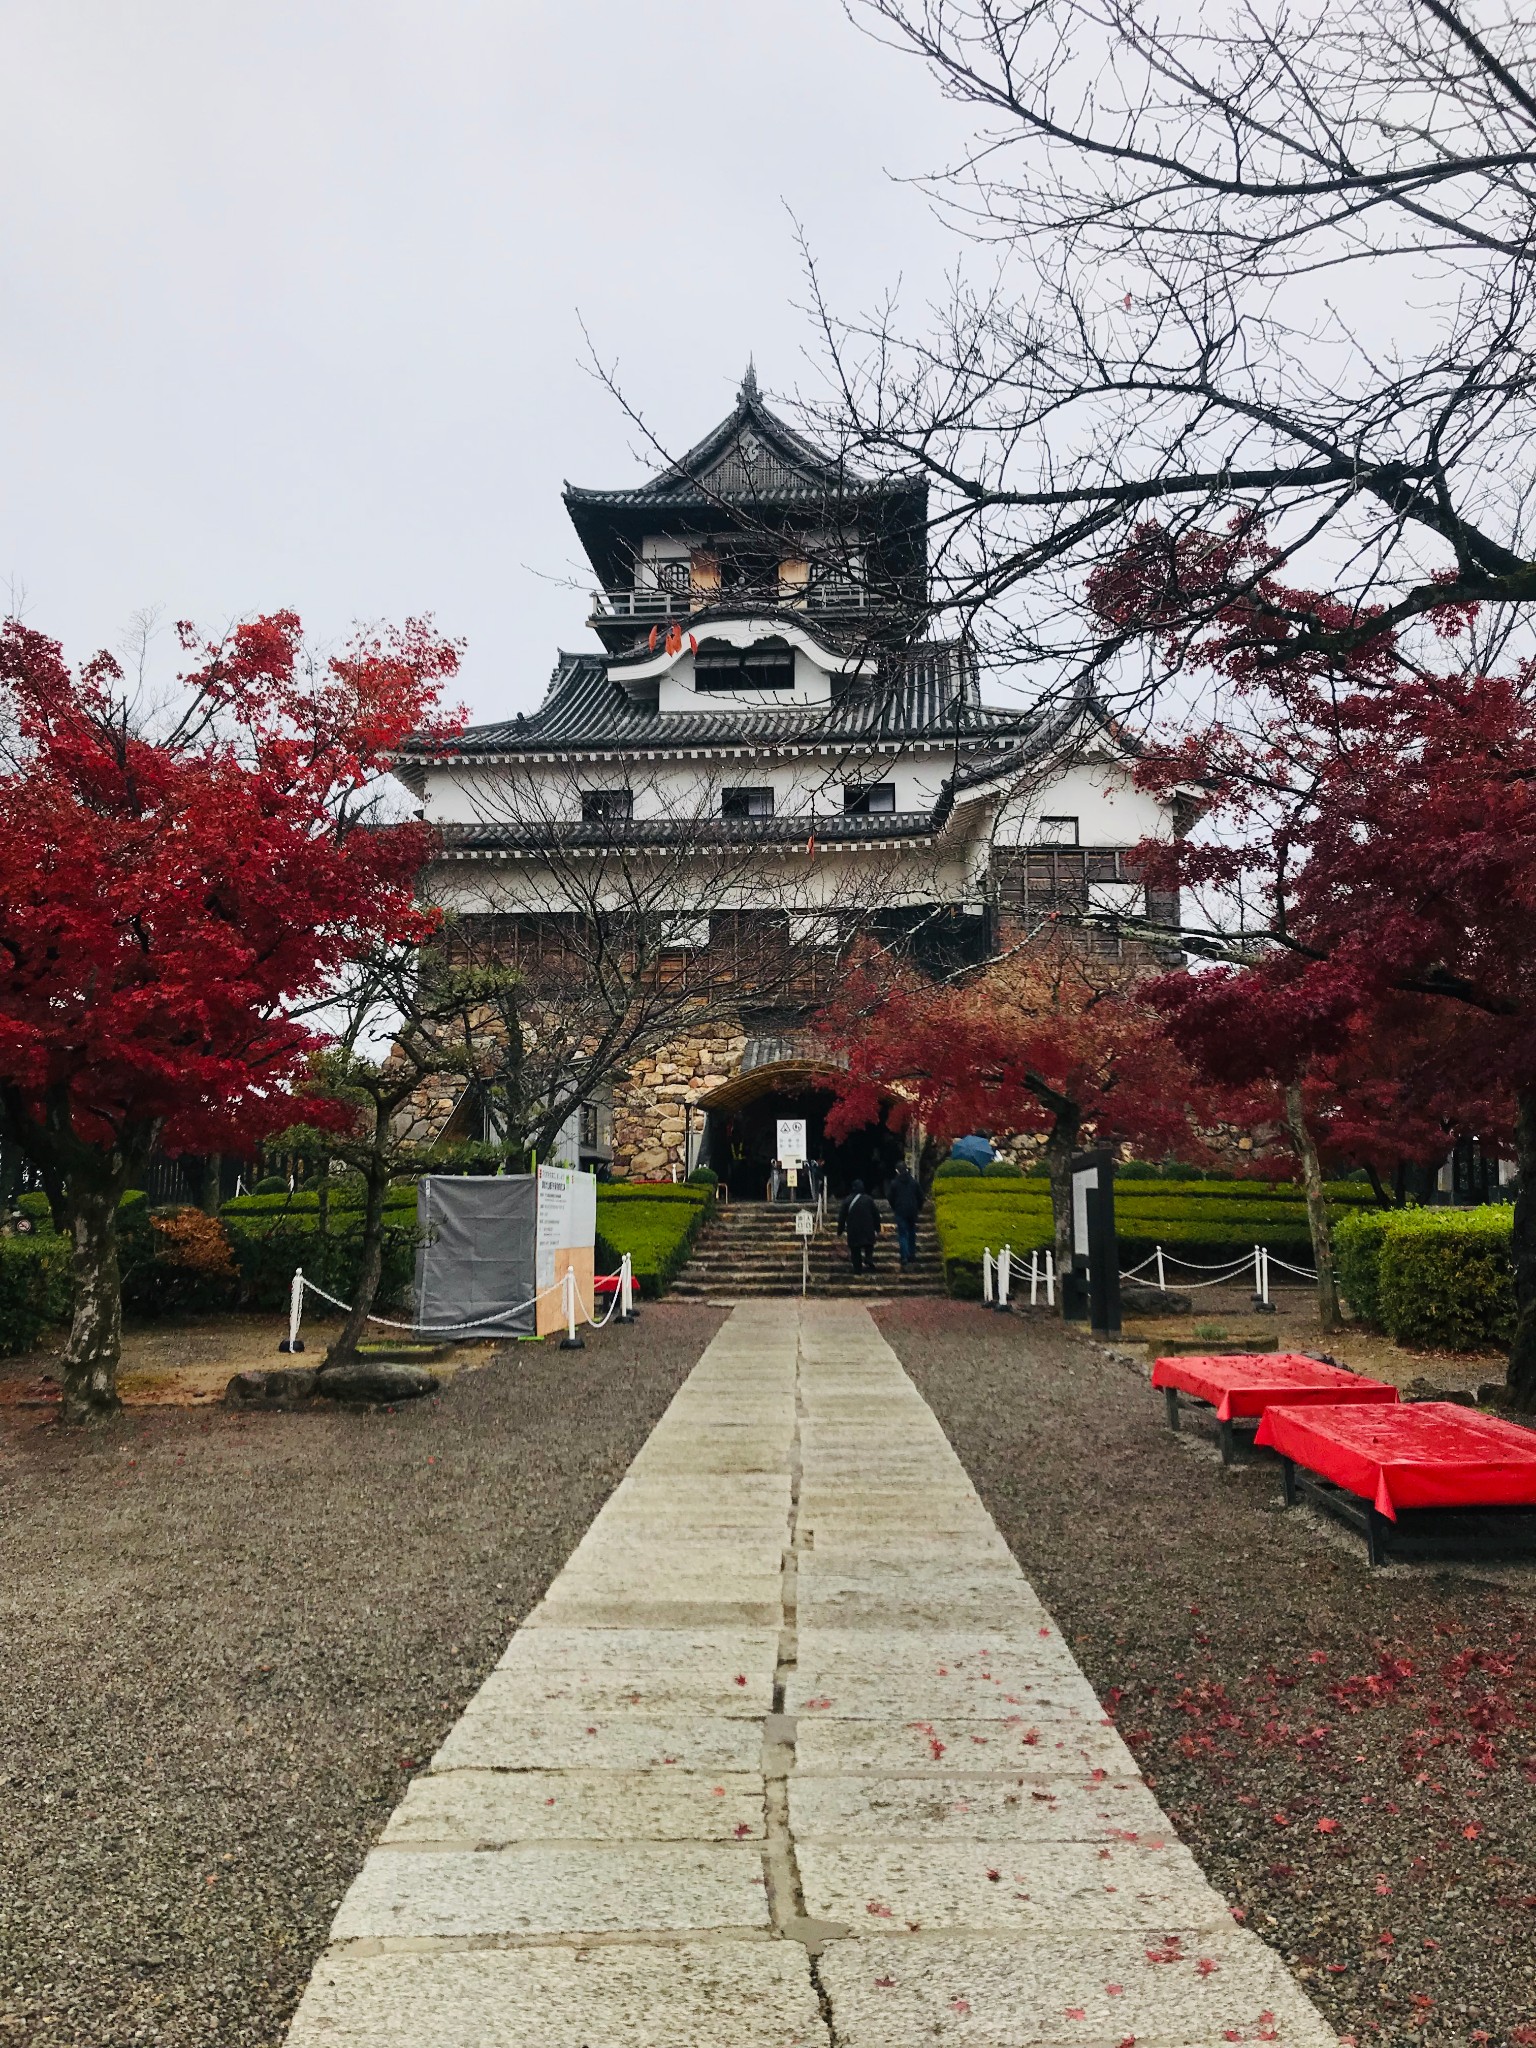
1094, 1295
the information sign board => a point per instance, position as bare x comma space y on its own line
792, 1141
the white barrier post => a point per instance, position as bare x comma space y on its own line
1034, 1278
570, 1341
1258, 1275
626, 1291
293, 1341
1264, 1272
1004, 1278
1050, 1279
986, 1275
1162, 1281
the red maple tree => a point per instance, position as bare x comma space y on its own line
1378, 819
1041, 1044
170, 892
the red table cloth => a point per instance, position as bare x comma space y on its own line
1425, 1454
1247, 1384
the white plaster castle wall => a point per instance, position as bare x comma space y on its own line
1101, 795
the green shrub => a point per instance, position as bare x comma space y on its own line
703, 1177
268, 1245
1136, 1169
35, 1289
1001, 1169
957, 1169
1358, 1238
271, 1184
1446, 1281
655, 1225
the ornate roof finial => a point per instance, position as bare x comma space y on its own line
749, 392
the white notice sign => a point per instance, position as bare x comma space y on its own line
792, 1141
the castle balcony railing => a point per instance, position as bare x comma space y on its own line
648, 606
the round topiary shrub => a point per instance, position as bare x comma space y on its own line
957, 1169
1137, 1169
271, 1184
1002, 1169
703, 1177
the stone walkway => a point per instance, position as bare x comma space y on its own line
790, 1756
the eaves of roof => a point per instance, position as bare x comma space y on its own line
867, 831
586, 712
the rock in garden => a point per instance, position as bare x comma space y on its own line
367, 1380
1154, 1301
280, 1383
1426, 1390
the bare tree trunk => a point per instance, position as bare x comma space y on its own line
96, 1333
210, 1184
1059, 1147
1522, 1349
370, 1268
1317, 1209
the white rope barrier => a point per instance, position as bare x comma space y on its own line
622, 1303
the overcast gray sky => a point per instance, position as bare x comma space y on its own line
289, 292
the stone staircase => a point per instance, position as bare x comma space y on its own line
750, 1248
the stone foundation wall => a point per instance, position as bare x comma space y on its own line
650, 1108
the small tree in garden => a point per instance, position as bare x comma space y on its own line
170, 888
1376, 825
440, 1021
1039, 1044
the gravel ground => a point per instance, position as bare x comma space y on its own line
227, 1640
1351, 1755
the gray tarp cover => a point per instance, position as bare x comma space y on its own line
476, 1256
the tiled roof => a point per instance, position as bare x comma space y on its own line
585, 709
577, 835
751, 457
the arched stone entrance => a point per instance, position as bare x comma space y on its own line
740, 1138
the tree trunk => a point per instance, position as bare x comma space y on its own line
211, 1176
370, 1267
1522, 1350
1059, 1147
96, 1333
1317, 1210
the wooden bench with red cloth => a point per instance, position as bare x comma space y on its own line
1425, 1478
1245, 1384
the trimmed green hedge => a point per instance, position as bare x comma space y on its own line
1443, 1278
656, 1225
35, 1289
1357, 1242
267, 1248
1205, 1221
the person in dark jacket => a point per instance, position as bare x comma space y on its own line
859, 1220
906, 1199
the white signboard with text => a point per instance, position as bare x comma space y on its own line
565, 1235
791, 1141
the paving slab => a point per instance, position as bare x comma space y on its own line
952, 1808
720, 1994
489, 1809
495, 1734
932, 1747
1040, 1887
910, 1595
559, 1888
1066, 1991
